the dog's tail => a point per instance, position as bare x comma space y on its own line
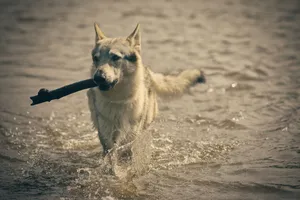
170, 86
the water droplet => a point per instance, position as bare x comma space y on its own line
210, 90
190, 120
198, 116
172, 118
235, 119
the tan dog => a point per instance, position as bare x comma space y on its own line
125, 101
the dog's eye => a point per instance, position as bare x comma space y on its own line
131, 58
96, 58
115, 57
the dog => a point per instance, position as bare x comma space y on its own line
125, 101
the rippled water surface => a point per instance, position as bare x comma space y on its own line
236, 137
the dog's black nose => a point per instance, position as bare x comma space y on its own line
99, 77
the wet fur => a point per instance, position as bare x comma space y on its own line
121, 113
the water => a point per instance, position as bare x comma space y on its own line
237, 137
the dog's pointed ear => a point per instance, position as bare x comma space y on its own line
135, 38
99, 33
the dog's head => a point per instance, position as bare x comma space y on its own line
115, 59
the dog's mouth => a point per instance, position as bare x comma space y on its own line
107, 86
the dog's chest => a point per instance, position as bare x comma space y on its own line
119, 115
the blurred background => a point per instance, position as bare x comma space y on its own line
236, 137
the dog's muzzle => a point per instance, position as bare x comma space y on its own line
103, 84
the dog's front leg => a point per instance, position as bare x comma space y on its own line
110, 145
106, 142
91, 100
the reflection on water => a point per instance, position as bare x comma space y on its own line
237, 137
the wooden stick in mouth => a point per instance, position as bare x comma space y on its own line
45, 95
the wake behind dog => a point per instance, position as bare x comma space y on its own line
125, 102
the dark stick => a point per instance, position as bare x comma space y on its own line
46, 95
